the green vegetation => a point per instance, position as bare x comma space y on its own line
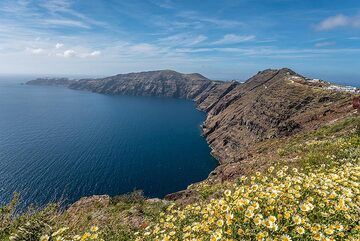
311, 193
337, 143
117, 219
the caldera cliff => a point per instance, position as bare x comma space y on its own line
272, 104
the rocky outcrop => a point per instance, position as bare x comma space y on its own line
271, 104
87, 203
93, 207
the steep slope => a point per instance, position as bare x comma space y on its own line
271, 104
210, 96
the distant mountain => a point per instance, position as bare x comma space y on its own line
152, 83
272, 104
51, 81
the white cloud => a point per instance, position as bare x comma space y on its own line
324, 44
337, 21
67, 53
78, 52
143, 48
167, 4
35, 50
233, 39
59, 45
64, 8
272, 52
56, 5
95, 53
223, 23
65, 23
91, 54
43, 33
183, 39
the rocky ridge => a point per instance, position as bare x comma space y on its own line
166, 83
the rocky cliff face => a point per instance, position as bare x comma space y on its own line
153, 83
271, 104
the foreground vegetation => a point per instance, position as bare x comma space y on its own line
310, 191
281, 205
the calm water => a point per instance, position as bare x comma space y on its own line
60, 143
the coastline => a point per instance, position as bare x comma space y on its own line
239, 117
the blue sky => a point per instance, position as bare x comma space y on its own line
228, 39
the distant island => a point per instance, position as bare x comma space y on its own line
52, 81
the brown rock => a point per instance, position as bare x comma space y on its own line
93, 207
356, 103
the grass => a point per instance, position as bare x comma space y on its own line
339, 142
118, 220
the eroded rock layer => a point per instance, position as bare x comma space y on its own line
271, 104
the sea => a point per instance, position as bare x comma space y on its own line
58, 144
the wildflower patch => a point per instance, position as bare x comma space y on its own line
280, 205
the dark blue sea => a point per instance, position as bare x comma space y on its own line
62, 144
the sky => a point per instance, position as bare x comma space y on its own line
228, 39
